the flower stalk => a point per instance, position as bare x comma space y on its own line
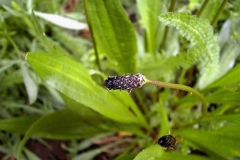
180, 87
129, 82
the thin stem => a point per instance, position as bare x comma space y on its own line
181, 87
202, 8
171, 8
215, 19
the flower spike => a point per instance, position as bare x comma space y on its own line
126, 82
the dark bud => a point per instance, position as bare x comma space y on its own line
126, 82
167, 141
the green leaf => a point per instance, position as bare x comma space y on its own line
232, 77
149, 11
17, 125
155, 152
66, 124
129, 156
75, 45
63, 124
112, 32
77, 123
234, 118
225, 97
95, 118
222, 144
204, 47
30, 85
73, 80
46, 42
181, 156
165, 126
151, 153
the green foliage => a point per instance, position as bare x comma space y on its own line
112, 33
73, 80
149, 11
229, 79
204, 49
218, 138
51, 79
154, 152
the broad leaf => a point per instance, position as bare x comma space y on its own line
94, 118
223, 143
63, 124
151, 153
112, 32
156, 153
73, 80
77, 123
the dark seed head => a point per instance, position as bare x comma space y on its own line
167, 141
126, 82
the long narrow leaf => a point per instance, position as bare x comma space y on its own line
61, 21
17, 125
30, 85
112, 32
233, 118
225, 97
73, 80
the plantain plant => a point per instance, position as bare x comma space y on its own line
175, 70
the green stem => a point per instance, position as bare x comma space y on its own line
171, 8
181, 87
215, 19
202, 8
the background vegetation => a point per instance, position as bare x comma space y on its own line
55, 55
